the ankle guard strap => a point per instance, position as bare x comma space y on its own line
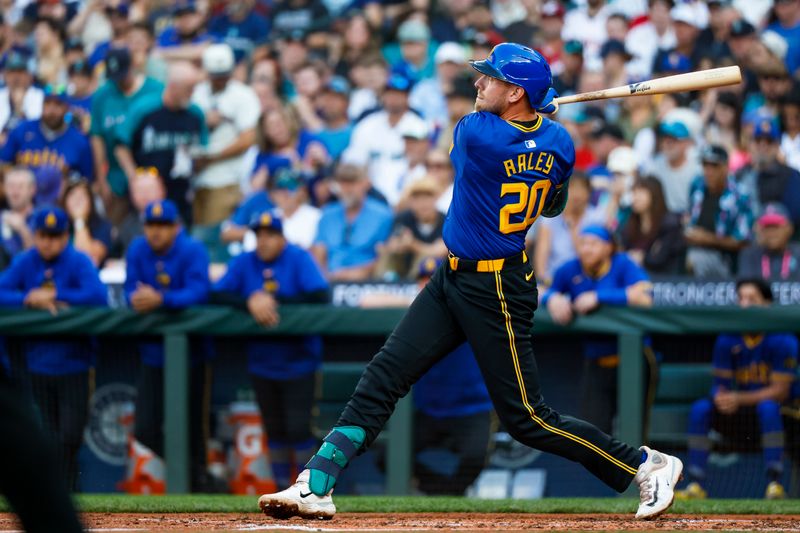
344, 447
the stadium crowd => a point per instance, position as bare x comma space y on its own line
217, 128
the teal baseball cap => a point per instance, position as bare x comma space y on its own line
674, 129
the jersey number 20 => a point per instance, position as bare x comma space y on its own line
531, 198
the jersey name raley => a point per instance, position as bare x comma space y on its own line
538, 161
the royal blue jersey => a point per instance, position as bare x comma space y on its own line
571, 280
76, 282
505, 173
257, 203
291, 275
752, 362
453, 387
180, 274
28, 146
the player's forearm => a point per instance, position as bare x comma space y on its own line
356, 273
188, 52
233, 233
245, 140
99, 155
778, 392
125, 160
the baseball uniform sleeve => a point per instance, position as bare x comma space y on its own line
722, 364
195, 289
89, 290
133, 274
231, 282
12, 283
9, 151
784, 359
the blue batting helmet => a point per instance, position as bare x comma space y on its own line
519, 65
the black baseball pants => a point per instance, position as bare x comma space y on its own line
493, 311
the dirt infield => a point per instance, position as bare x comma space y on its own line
208, 522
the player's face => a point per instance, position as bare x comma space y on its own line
53, 112
775, 237
593, 252
160, 237
50, 246
750, 296
492, 95
269, 244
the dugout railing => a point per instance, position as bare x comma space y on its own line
629, 325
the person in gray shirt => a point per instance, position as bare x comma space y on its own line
772, 256
676, 165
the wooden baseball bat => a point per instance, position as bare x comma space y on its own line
691, 81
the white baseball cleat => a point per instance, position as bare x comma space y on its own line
657, 478
298, 500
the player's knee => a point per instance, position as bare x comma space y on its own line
701, 408
768, 409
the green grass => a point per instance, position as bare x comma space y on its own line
119, 503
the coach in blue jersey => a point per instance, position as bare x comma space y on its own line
601, 277
511, 165
166, 269
283, 370
753, 375
50, 276
50, 141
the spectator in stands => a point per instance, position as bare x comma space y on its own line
20, 100
568, 80
647, 38
601, 276
416, 62
713, 39
164, 131
369, 75
774, 83
724, 124
615, 58
359, 41
652, 236
146, 188
377, 140
623, 166
49, 141
332, 106
240, 26
773, 256
186, 38
556, 238
686, 26
544, 34
790, 139
460, 101
140, 41
283, 371
675, 166
118, 16
587, 24
231, 112
49, 37
300, 16
167, 269
428, 95
753, 375
416, 232
52, 276
89, 232
767, 179
439, 167
19, 189
417, 139
787, 25
350, 229
110, 107
81, 88
720, 217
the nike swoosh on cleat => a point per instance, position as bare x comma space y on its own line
306, 495
655, 496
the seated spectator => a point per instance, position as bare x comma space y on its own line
146, 188
337, 128
790, 140
282, 370
50, 141
79, 99
20, 99
439, 168
186, 38
675, 166
460, 100
301, 16
348, 234
167, 269
49, 37
601, 276
416, 54
416, 233
767, 179
161, 131
90, 233
428, 95
240, 26
720, 218
623, 166
51, 276
417, 141
772, 256
556, 238
653, 237
724, 126
753, 375
19, 188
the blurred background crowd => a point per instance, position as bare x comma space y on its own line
339, 113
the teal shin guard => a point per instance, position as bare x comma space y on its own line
338, 448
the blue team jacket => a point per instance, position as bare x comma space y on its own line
77, 283
181, 275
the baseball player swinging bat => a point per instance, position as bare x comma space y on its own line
691, 81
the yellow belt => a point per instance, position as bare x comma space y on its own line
483, 265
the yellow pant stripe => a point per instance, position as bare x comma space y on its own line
524, 394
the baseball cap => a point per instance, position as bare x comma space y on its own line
413, 31
676, 62
676, 130
622, 159
338, 85
741, 28
398, 82
17, 59
776, 44
552, 8
56, 92
766, 127
600, 232
118, 64
122, 9
611, 130
715, 154
161, 212
51, 220
269, 220
775, 214
218, 60
573, 47
415, 129
80, 67
428, 266
684, 13
614, 46
450, 52
182, 7
287, 179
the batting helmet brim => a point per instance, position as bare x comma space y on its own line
484, 67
